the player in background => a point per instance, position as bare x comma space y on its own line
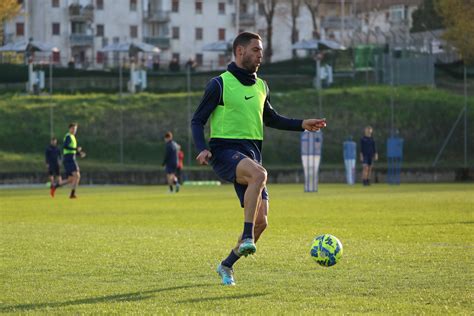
70, 150
368, 154
238, 104
170, 162
52, 160
179, 168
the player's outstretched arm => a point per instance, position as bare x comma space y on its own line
314, 124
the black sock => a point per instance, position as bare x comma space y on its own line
230, 260
171, 188
73, 192
248, 230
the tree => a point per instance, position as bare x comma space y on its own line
8, 10
294, 12
268, 8
458, 17
426, 18
313, 7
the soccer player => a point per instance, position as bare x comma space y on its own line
70, 149
368, 154
52, 159
171, 162
238, 105
179, 168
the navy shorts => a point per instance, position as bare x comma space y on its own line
171, 169
367, 160
225, 161
53, 170
70, 165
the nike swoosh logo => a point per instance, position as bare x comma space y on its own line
246, 98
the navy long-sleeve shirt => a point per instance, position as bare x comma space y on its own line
367, 146
171, 155
52, 155
213, 97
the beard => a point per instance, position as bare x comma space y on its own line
249, 65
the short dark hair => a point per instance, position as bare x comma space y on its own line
53, 138
243, 39
168, 135
72, 124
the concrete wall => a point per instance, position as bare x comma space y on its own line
428, 175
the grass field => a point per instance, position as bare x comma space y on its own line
407, 250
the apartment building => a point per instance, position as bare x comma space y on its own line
180, 28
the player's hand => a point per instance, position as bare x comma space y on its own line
314, 124
203, 157
82, 154
79, 149
376, 157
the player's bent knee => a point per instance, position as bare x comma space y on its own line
260, 177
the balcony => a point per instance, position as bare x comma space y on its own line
79, 13
160, 42
245, 19
81, 40
156, 16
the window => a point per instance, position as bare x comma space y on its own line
133, 31
243, 7
100, 30
133, 5
55, 3
100, 57
78, 28
222, 60
99, 4
198, 33
397, 13
221, 35
20, 29
175, 6
56, 28
105, 41
199, 59
198, 6
175, 32
221, 7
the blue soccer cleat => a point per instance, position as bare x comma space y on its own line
247, 247
227, 274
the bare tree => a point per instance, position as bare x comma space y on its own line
268, 7
313, 7
295, 10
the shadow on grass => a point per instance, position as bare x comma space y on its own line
126, 297
218, 298
438, 224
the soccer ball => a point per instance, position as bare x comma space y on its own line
326, 250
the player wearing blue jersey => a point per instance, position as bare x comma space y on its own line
368, 154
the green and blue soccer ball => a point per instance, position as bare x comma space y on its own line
326, 250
